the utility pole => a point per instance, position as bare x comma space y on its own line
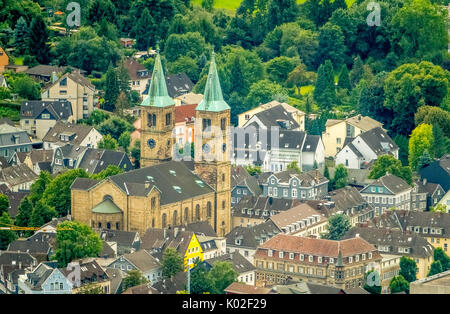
189, 279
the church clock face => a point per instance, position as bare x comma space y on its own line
151, 143
206, 148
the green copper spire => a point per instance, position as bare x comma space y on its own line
213, 98
157, 93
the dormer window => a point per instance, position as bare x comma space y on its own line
310, 258
281, 254
291, 255
270, 253
331, 260
350, 259
302, 257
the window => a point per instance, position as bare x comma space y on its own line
281, 254
291, 255
310, 258
63, 92
223, 124
63, 82
294, 193
151, 120
206, 124
370, 255
168, 119
285, 192
270, 253
331, 260
302, 257
350, 259
45, 116
319, 259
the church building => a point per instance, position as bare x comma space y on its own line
165, 192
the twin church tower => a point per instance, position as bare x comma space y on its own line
212, 139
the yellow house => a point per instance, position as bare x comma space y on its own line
298, 115
337, 131
194, 251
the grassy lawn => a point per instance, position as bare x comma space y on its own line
232, 5
18, 60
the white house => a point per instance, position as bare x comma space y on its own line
365, 148
66, 133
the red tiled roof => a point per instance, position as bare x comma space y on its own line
183, 112
242, 288
317, 247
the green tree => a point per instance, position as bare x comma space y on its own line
145, 30
300, 77
421, 139
436, 268
253, 170
403, 147
121, 104
200, 281
91, 289
38, 38
191, 44
439, 208
440, 255
112, 91
41, 214
357, 71
326, 172
136, 153
279, 68
388, 164
4, 204
115, 127
172, 262
424, 160
441, 143
338, 225
434, 116
340, 177
134, 278
123, 80
111, 170
408, 268
222, 275
26, 88
263, 92
331, 45
399, 284
57, 194
186, 65
280, 12
6, 236
74, 241
373, 289
324, 91
107, 142
208, 5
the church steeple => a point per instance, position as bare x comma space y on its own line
213, 98
157, 93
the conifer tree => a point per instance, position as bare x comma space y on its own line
344, 80
38, 38
21, 36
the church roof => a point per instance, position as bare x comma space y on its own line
213, 98
157, 94
106, 207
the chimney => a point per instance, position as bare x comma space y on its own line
147, 184
424, 181
54, 77
175, 232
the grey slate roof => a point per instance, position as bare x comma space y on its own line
8, 133
172, 285
201, 227
143, 260
19, 174
379, 141
262, 203
240, 264
83, 183
311, 143
8, 257
15, 198
347, 198
177, 85
59, 110
307, 179
251, 237
157, 240
122, 238
419, 247
95, 160
273, 117
80, 132
116, 276
241, 177
164, 177
41, 155
40, 243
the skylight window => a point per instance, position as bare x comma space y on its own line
173, 172
177, 188
200, 183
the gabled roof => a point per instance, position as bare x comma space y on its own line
212, 97
122, 238
160, 239
240, 263
133, 67
8, 133
59, 110
262, 203
143, 261
364, 123
77, 78
275, 116
306, 288
8, 257
47, 70
90, 271
241, 177
185, 113
79, 131
311, 143
106, 207
307, 179
242, 288
15, 198
96, 160
157, 94
347, 198
201, 228
251, 237
178, 84
378, 140
294, 215
41, 155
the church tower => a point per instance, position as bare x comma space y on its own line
158, 120
212, 148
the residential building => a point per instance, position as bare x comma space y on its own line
366, 148
253, 210
184, 125
243, 184
76, 134
350, 202
13, 139
16, 68
426, 194
46, 278
245, 240
445, 200
76, 89
388, 192
244, 269
15, 198
92, 160
37, 117
144, 288
50, 73
302, 221
358, 178
303, 287
18, 178
437, 284
338, 131
127, 42
39, 160
298, 115
185, 242
18, 158
188, 99
4, 60
39, 245
13, 264
91, 275
116, 276
438, 172
139, 75
397, 243
142, 261
337, 263
177, 85
292, 185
